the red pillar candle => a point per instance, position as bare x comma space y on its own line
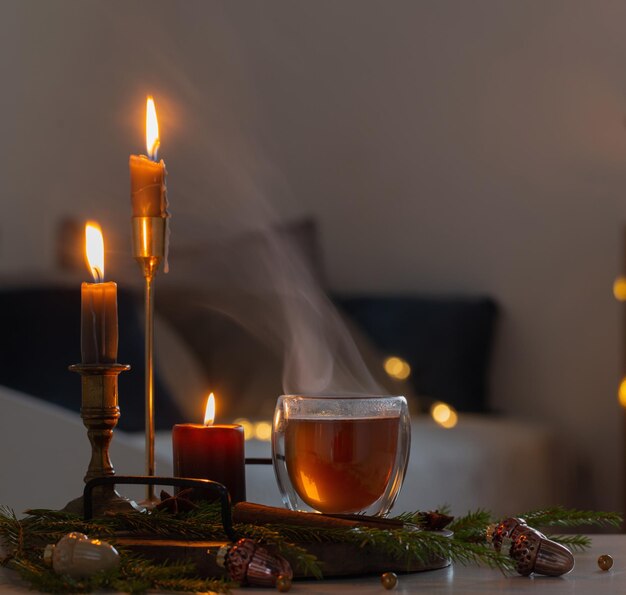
147, 175
213, 452
98, 321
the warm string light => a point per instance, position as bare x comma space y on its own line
621, 393
260, 430
619, 292
94, 250
152, 129
444, 415
263, 431
397, 368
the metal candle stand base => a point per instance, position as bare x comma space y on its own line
100, 413
219, 490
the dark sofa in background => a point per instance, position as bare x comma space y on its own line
446, 341
41, 338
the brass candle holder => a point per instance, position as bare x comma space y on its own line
100, 413
149, 250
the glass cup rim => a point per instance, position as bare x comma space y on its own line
339, 397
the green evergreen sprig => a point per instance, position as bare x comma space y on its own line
576, 543
135, 575
564, 517
25, 539
471, 527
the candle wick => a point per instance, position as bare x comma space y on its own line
97, 273
154, 150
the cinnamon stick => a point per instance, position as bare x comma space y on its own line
249, 512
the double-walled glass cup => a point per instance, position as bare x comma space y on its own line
340, 454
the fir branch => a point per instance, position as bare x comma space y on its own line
576, 543
433, 520
49, 526
135, 565
472, 526
11, 530
57, 515
424, 545
43, 579
26, 538
194, 585
408, 517
172, 576
135, 575
564, 517
192, 525
404, 545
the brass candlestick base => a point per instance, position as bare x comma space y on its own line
100, 412
149, 250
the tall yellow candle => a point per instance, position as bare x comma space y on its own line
147, 175
98, 322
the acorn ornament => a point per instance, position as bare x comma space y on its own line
531, 550
78, 556
248, 563
502, 535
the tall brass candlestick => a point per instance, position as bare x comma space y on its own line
100, 412
149, 241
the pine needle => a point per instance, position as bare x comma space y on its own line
576, 543
563, 517
478, 519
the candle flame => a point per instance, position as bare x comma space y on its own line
94, 249
209, 415
152, 129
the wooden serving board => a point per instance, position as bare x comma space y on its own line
336, 559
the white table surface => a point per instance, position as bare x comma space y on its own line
585, 578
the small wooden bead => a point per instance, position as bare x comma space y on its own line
605, 562
283, 583
389, 580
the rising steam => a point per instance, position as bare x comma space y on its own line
228, 197
261, 280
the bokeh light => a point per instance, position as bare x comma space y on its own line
619, 289
397, 368
622, 393
444, 415
263, 430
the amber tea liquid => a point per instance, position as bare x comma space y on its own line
341, 465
